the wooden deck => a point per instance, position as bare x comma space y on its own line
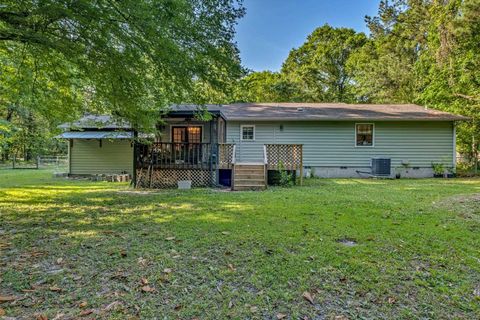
162, 165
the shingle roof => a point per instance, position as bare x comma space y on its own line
288, 112
333, 112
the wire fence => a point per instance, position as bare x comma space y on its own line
55, 163
467, 166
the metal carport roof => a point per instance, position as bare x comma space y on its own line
96, 135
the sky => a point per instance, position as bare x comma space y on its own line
271, 28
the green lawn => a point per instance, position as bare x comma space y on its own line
101, 250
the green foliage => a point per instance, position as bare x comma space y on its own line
319, 66
127, 58
424, 52
317, 71
438, 168
60, 59
285, 178
265, 86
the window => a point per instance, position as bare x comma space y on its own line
247, 133
189, 134
364, 134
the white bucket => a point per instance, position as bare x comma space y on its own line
184, 184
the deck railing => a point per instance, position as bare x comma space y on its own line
176, 155
226, 155
186, 155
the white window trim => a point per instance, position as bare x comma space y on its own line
241, 132
355, 135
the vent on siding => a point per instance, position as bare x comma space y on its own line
381, 166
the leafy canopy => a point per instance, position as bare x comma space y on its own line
129, 58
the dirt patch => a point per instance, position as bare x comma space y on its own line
347, 242
139, 192
466, 206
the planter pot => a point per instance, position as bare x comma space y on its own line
184, 184
398, 176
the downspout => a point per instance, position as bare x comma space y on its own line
454, 162
134, 173
70, 143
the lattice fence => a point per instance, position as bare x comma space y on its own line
225, 156
168, 178
290, 156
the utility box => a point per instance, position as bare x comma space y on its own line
381, 166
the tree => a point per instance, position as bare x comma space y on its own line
384, 69
128, 58
319, 66
265, 86
425, 52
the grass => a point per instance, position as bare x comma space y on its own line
73, 248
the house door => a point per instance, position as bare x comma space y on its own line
187, 143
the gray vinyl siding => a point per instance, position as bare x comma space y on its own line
332, 144
114, 156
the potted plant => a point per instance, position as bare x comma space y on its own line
438, 170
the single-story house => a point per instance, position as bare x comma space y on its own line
240, 144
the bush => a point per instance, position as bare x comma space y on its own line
285, 178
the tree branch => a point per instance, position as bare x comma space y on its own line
464, 96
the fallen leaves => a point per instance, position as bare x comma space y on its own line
86, 312
142, 261
178, 307
147, 288
281, 316
231, 267
42, 317
144, 281
167, 270
7, 298
4, 245
170, 238
2, 312
225, 233
392, 300
308, 296
55, 289
113, 306
82, 304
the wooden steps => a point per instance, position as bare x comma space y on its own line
249, 177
